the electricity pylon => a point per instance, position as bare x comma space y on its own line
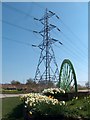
47, 68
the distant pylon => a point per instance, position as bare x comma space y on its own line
47, 68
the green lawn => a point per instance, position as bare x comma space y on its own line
12, 109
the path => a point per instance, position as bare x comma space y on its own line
10, 95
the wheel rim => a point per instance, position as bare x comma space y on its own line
67, 78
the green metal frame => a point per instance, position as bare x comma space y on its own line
67, 77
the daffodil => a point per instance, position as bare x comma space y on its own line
30, 113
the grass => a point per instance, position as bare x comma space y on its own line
11, 91
79, 107
12, 109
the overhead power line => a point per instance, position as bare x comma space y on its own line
17, 10
21, 28
17, 41
75, 36
71, 47
22, 12
73, 52
17, 26
20, 42
76, 49
68, 28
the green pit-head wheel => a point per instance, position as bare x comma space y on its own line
67, 77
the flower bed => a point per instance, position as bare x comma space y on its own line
39, 106
60, 94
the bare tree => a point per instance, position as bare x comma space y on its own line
87, 84
15, 82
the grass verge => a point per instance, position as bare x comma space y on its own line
12, 109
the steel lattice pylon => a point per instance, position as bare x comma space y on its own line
47, 69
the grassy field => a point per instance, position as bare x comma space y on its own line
12, 109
